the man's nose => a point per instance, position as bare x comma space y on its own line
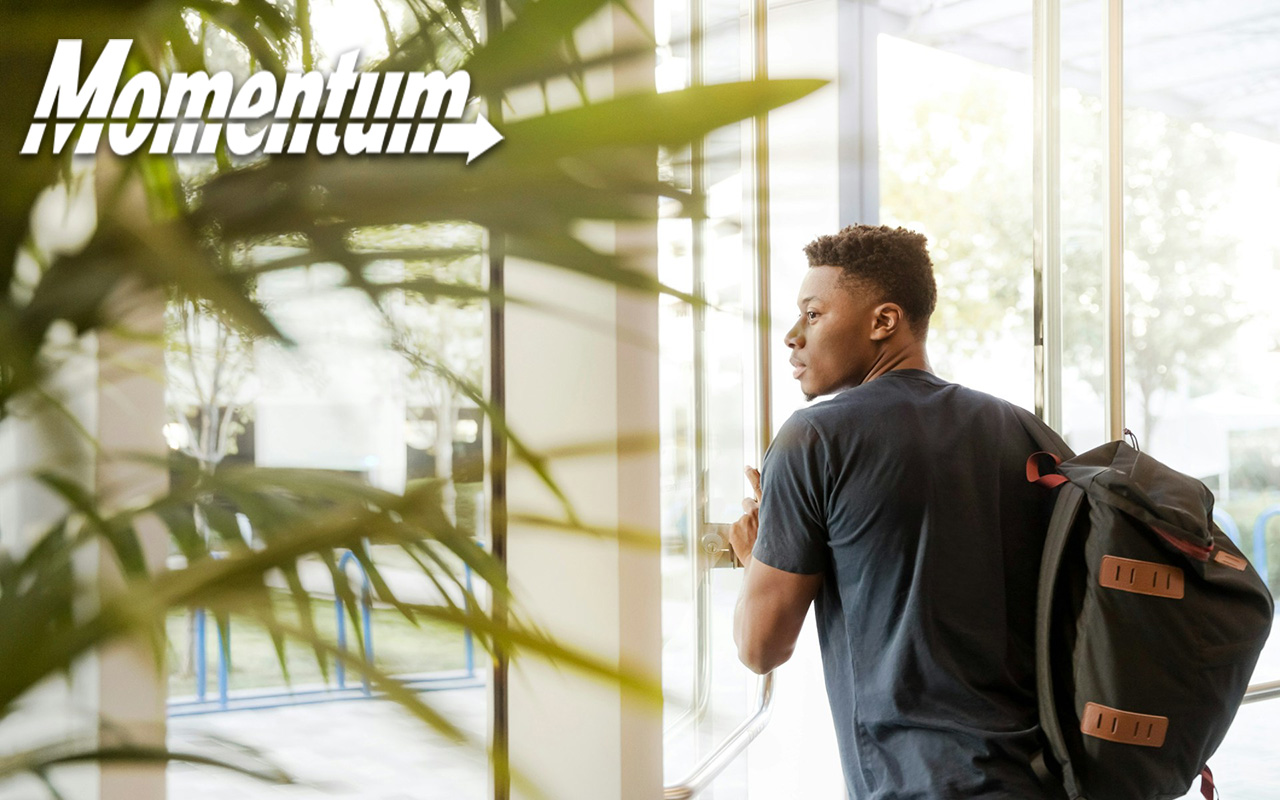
794, 337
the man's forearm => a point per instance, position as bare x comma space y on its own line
770, 612
753, 641
738, 609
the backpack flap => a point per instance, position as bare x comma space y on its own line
1177, 508
1154, 620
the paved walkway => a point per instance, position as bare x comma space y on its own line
366, 749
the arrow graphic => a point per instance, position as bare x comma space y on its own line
471, 138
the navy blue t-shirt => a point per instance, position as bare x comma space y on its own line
909, 494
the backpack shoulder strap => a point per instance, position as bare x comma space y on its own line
1045, 437
1064, 516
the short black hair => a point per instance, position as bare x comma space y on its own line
891, 261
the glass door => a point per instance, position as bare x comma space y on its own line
709, 385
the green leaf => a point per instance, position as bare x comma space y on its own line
40, 760
644, 118
530, 41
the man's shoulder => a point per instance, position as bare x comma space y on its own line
910, 386
876, 405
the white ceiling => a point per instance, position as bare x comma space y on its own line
1212, 61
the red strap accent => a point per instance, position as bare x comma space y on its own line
1196, 551
1050, 478
1206, 783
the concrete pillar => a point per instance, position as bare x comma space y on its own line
116, 693
130, 687
573, 383
110, 388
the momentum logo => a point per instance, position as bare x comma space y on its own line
389, 112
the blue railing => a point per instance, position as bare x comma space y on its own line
366, 617
273, 697
1229, 527
1260, 540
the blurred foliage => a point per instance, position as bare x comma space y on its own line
166, 223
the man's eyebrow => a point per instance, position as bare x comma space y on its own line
807, 299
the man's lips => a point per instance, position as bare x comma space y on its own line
797, 368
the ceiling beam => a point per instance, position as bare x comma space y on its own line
941, 24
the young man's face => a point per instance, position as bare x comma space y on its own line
831, 346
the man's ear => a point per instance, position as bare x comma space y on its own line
886, 319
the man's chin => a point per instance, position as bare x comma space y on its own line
806, 391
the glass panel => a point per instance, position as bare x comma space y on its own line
707, 400
343, 401
727, 269
1081, 198
386, 424
1202, 357
679, 509
680, 624
955, 164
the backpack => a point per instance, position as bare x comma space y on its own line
1149, 622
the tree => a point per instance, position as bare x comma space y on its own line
956, 164
436, 332
953, 166
208, 368
1181, 306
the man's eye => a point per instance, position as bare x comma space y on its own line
811, 315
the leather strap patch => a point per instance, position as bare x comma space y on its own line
1229, 560
1125, 727
1141, 577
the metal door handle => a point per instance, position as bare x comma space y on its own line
729, 749
715, 546
1261, 691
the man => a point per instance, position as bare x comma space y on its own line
901, 506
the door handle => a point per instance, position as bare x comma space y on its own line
729, 749
716, 553
1261, 691
715, 546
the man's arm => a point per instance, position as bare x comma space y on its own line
773, 603
769, 614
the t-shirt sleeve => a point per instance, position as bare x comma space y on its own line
793, 520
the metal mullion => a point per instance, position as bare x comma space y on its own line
497, 473
702, 570
1047, 250
1113, 220
760, 220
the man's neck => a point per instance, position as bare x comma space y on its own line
913, 356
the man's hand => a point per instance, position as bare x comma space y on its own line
742, 534
773, 603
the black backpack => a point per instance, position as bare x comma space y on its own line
1149, 622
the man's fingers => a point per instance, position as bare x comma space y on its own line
753, 475
749, 505
742, 535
